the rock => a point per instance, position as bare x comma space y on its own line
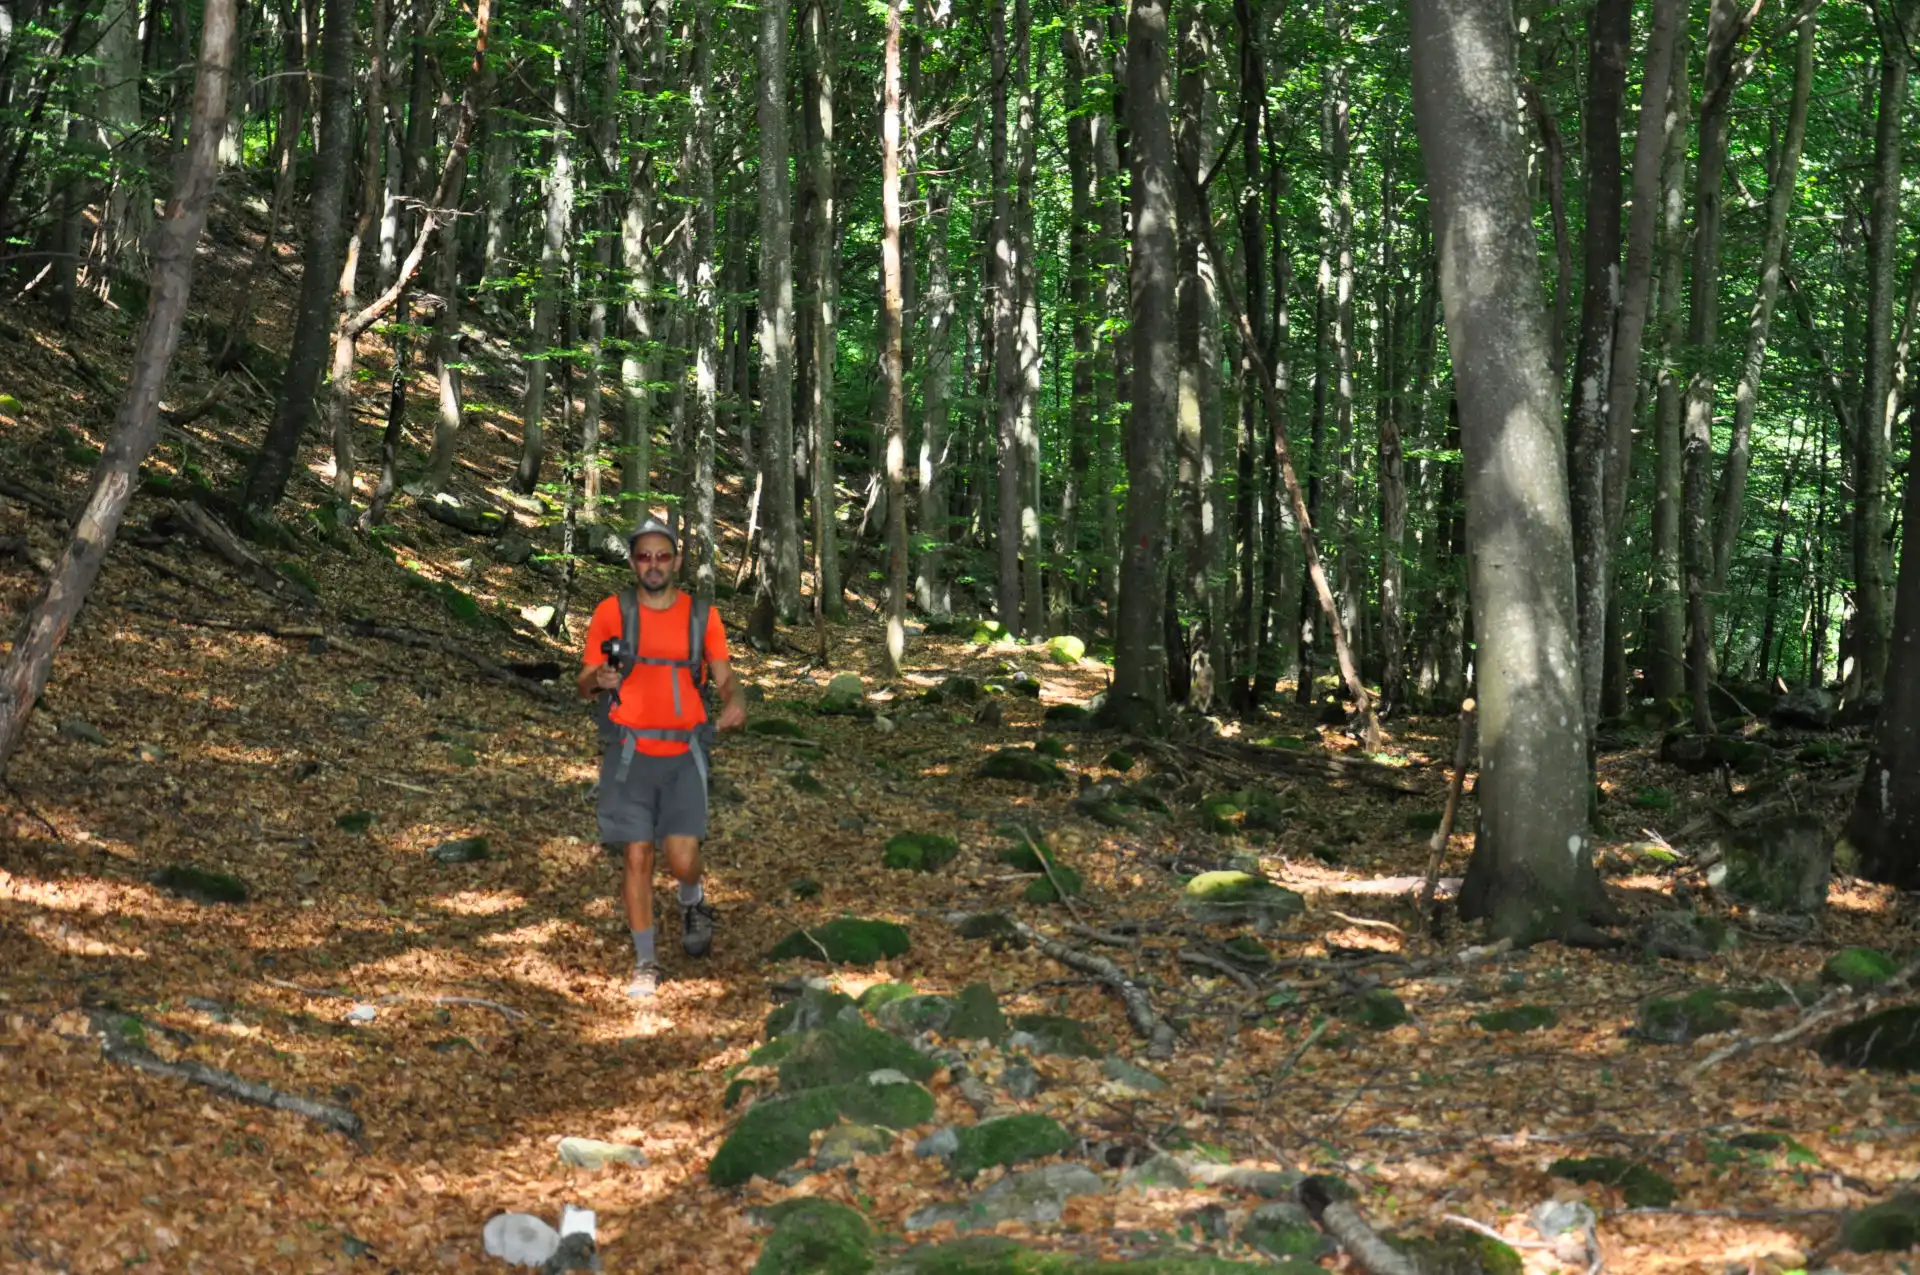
1284, 1229
591, 1153
540, 617
1459, 1252
1052, 1034
775, 728
1161, 1170
881, 993
1781, 866
1807, 708
1048, 746
844, 1051
773, 1134
1376, 1010
200, 884
1066, 717
1859, 968
1886, 1041
987, 632
152, 754
912, 1015
884, 725
520, 1239
1097, 804
938, 1145
815, 1236
919, 851
1642, 1187
1021, 1081
990, 714
994, 926
1682, 1020
1209, 1221
1268, 1184
1521, 1018
1066, 649
844, 1143
976, 1016
1020, 766
1892, 1226
1565, 1224
1703, 754
804, 888
1021, 682
511, 550
814, 1007
577, 1252
844, 941
354, 821
1037, 1197
1007, 1141
956, 689
460, 850
973, 1255
1131, 1076
1684, 936
1043, 890
1240, 896
846, 696
84, 731
1026, 852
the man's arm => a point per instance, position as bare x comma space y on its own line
733, 699
595, 678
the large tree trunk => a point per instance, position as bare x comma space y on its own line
1198, 429
1249, 503
1587, 435
129, 212
819, 293
1746, 396
1140, 678
781, 554
1349, 575
892, 322
1027, 347
1666, 664
1532, 872
267, 477
175, 241
1726, 28
1003, 284
1872, 451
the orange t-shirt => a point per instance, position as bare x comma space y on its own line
646, 696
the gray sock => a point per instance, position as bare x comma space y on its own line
691, 894
643, 946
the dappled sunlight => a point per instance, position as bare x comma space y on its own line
481, 902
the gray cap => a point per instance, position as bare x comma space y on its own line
654, 527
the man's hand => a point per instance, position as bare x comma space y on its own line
597, 678
733, 714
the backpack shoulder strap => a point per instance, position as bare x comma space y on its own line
630, 619
698, 615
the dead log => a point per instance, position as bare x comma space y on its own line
218, 537
1371, 773
117, 1048
434, 642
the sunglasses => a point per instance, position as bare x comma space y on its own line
648, 559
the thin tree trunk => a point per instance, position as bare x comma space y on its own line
818, 285
781, 556
175, 240
1390, 451
1782, 520
892, 323
931, 588
1003, 285
1666, 672
637, 233
1248, 503
345, 345
1532, 869
1190, 471
1027, 331
1746, 396
604, 134
554, 253
706, 305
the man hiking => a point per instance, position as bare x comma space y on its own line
650, 651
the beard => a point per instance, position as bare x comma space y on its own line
656, 582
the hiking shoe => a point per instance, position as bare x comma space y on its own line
645, 984
696, 928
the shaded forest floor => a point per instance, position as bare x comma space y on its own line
179, 729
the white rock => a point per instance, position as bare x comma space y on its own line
883, 725
362, 1014
577, 1221
520, 1238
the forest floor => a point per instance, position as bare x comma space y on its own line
193, 719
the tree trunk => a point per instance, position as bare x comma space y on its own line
1666, 671
781, 556
1079, 289
345, 344
1196, 535
1027, 348
555, 252
637, 233
1532, 870
175, 240
1003, 283
1249, 505
706, 332
1608, 30
1733, 478
1725, 30
931, 588
1391, 453
1776, 561
1872, 451
1140, 677
129, 211
604, 135
814, 400
267, 476
892, 322
1350, 583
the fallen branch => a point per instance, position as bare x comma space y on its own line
1350, 1228
1481, 1228
1231, 970
38, 501
1140, 1012
434, 642
217, 536
188, 415
1046, 865
1367, 922
1462, 754
17, 547
1834, 1005
116, 1049
1371, 773
506, 1011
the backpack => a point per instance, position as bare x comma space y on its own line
699, 739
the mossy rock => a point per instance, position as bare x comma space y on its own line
1042, 890
461, 850
911, 1015
1066, 649
1006, 1141
776, 728
771, 1053
202, 885
1021, 766
1057, 1035
814, 1007
1239, 896
804, 888
773, 1134
886, 1098
975, 1255
1244, 949
1283, 1229
1459, 1252
1048, 746
1703, 754
1680, 1020
815, 1236
1119, 759
844, 941
1859, 968
1655, 799
354, 821
882, 994
1683, 935
1521, 1018
1376, 1010
1770, 1143
1886, 1041
1892, 1226
803, 781
994, 927
1424, 821
919, 851
1066, 717
976, 1015
987, 632
298, 573
1643, 1188
1026, 853
846, 697
1781, 866
844, 1051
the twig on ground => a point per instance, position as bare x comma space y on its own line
397, 783
116, 1049
434, 642
1045, 863
1286, 1068
29, 808
1462, 754
818, 946
1140, 1012
316, 992
1367, 923
1483, 1229
506, 1011
1232, 971
1827, 1008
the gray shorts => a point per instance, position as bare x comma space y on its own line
660, 797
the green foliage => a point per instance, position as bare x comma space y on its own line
1521, 1018
919, 851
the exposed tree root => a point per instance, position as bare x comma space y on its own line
1140, 1012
